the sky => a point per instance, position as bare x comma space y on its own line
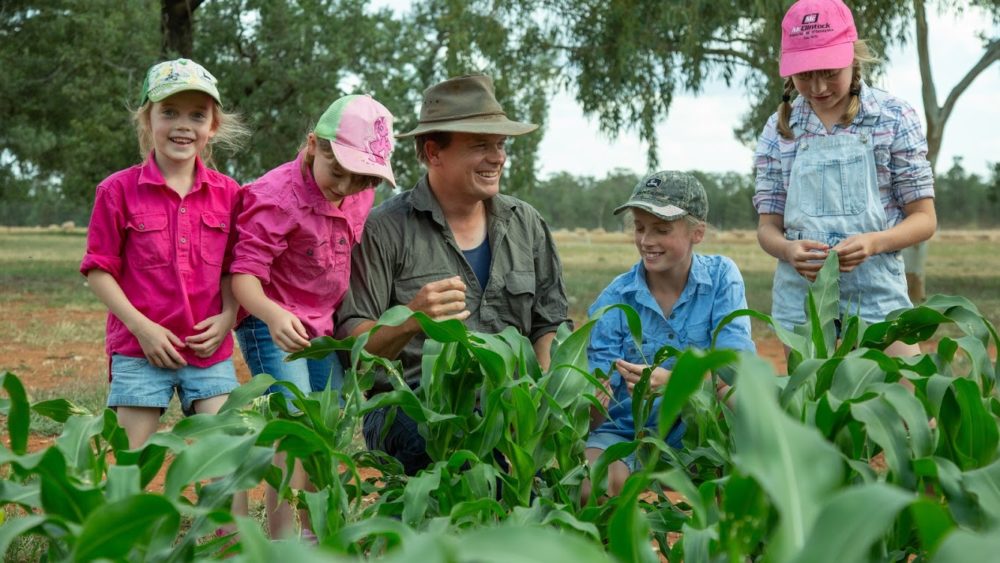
698, 135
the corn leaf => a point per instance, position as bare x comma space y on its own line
17, 412
851, 521
797, 468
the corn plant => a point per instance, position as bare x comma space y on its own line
853, 455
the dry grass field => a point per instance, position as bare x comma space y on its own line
53, 326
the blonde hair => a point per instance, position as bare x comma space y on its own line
230, 131
628, 220
863, 58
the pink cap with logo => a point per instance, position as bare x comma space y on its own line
817, 35
360, 132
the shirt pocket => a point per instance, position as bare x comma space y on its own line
406, 288
214, 237
309, 260
698, 335
147, 243
519, 294
833, 187
634, 356
341, 252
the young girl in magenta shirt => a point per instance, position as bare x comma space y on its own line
158, 249
292, 263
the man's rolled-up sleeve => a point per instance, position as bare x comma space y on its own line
551, 307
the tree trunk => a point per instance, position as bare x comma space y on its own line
176, 27
937, 116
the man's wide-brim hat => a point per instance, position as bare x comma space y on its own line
466, 104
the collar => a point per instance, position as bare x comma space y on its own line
802, 113
498, 208
150, 174
699, 279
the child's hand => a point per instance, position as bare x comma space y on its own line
160, 346
632, 373
213, 332
807, 257
603, 396
852, 251
287, 331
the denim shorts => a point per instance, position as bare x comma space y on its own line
604, 440
263, 356
137, 383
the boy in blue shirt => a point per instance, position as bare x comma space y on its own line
680, 297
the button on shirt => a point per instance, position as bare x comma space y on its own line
167, 253
714, 289
298, 244
407, 244
900, 147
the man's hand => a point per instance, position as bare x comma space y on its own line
160, 346
441, 300
632, 373
806, 256
213, 331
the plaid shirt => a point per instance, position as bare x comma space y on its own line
904, 174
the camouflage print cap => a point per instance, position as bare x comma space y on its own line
669, 195
169, 77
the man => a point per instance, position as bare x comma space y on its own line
453, 247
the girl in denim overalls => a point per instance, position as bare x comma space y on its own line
841, 167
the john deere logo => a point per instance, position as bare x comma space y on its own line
653, 182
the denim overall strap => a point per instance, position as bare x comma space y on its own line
833, 194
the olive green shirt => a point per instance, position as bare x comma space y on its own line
407, 244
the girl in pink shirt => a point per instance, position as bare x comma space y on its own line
292, 262
158, 246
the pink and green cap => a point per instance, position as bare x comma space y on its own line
360, 132
179, 75
817, 35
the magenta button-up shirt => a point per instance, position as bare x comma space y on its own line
167, 253
299, 244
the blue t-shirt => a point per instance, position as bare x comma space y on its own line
479, 258
714, 289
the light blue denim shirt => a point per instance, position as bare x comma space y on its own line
714, 289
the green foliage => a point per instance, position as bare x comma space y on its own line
71, 69
836, 459
581, 202
974, 202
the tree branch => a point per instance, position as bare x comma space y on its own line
732, 53
931, 109
991, 56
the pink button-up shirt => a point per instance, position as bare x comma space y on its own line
167, 253
299, 244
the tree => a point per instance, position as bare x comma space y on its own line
627, 68
176, 27
71, 69
937, 117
